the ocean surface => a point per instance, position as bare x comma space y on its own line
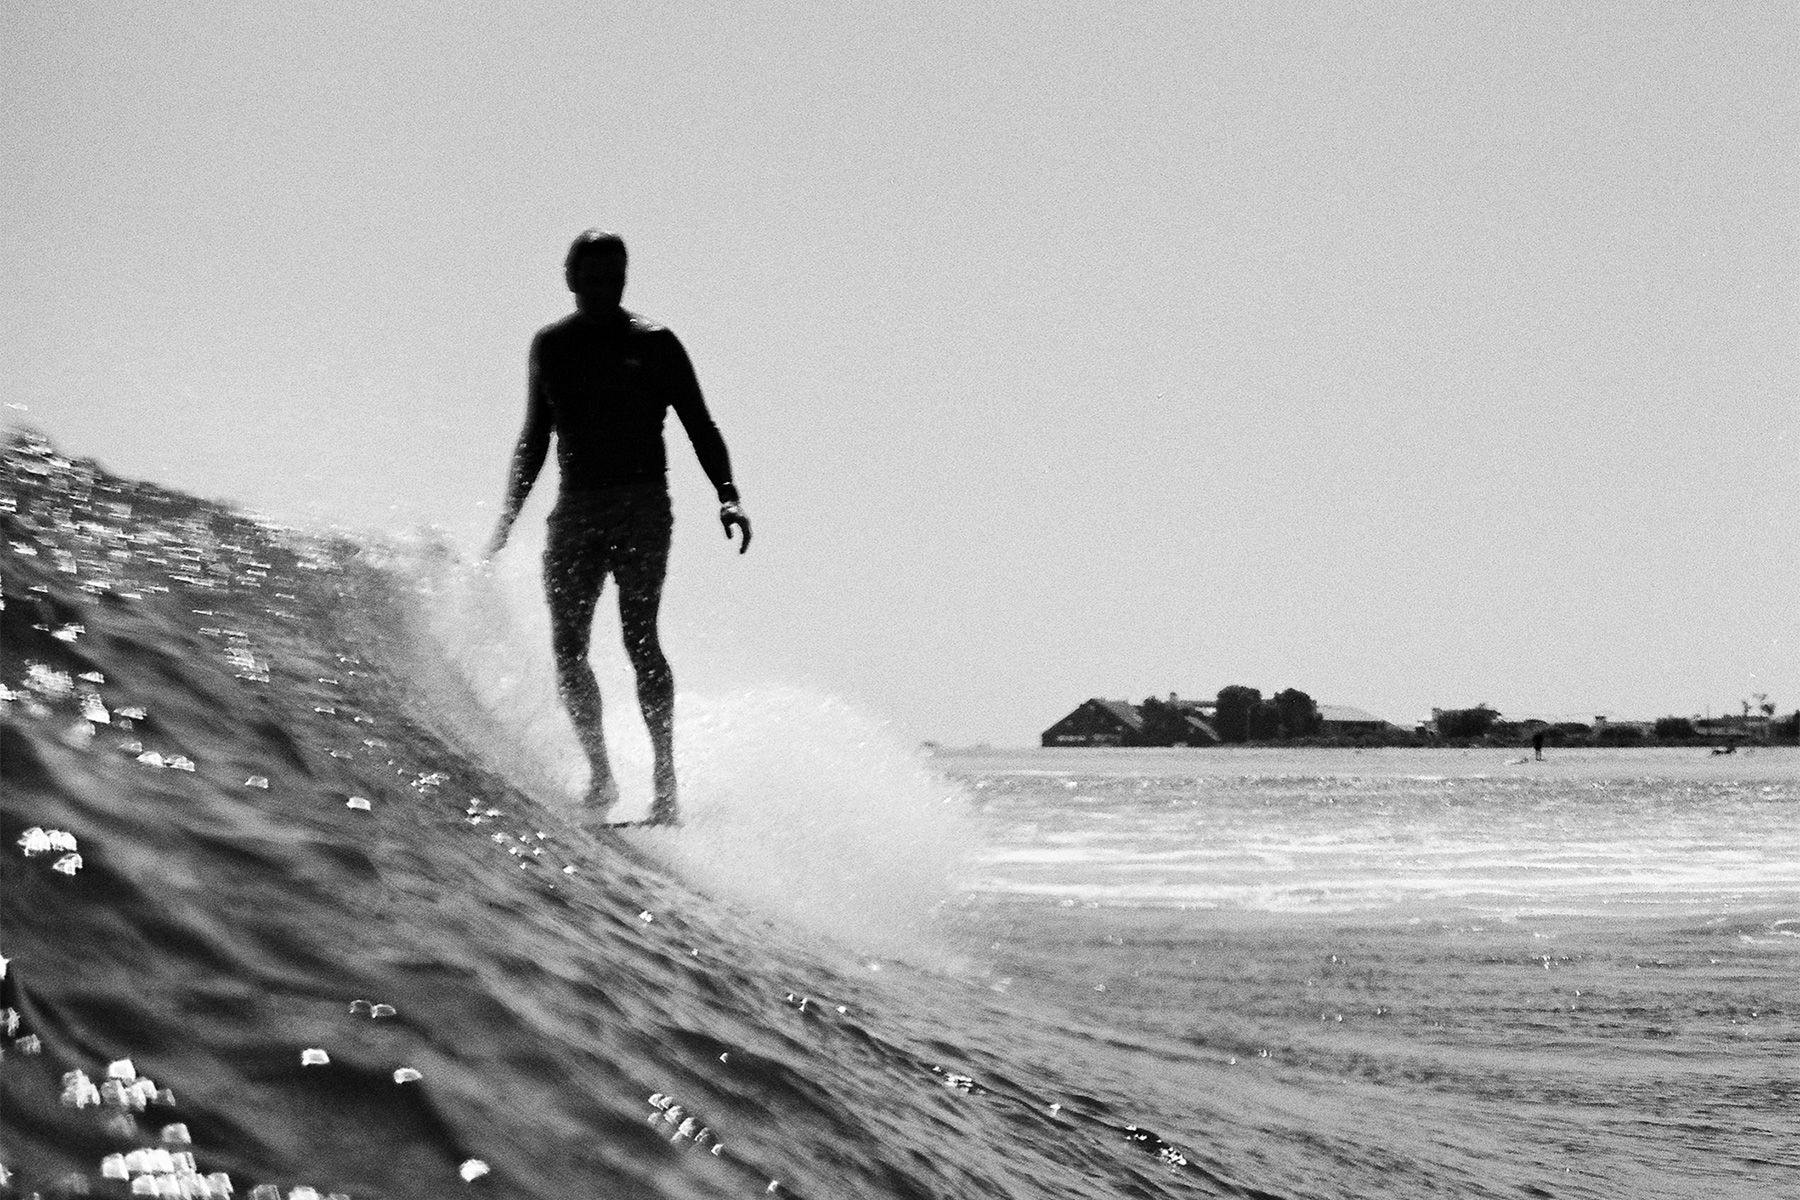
295, 902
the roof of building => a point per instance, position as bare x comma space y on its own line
1199, 724
1123, 710
1344, 714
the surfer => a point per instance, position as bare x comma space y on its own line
603, 379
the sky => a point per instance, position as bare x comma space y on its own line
1410, 354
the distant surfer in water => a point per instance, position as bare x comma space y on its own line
602, 379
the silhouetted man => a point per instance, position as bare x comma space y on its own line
602, 379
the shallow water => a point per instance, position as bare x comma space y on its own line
1574, 977
307, 776
1318, 831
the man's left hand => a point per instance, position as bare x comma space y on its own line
733, 514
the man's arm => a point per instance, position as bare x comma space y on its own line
528, 455
709, 443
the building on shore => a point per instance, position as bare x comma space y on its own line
1178, 722
1098, 722
1341, 720
1171, 722
1749, 727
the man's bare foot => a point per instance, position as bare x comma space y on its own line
602, 794
663, 810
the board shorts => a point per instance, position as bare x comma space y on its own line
620, 531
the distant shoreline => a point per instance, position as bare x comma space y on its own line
1701, 747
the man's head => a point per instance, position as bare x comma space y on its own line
595, 269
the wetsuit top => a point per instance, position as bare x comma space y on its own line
605, 383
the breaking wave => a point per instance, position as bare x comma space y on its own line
293, 904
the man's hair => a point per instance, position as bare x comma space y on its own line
591, 241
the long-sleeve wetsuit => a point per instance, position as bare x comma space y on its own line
604, 384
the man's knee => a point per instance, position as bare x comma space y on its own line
570, 652
646, 655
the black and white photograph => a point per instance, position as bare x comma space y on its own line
933, 601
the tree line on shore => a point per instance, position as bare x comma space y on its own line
1485, 725
1243, 714
1239, 714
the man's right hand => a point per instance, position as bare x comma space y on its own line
497, 542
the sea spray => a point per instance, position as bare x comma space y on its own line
794, 801
806, 807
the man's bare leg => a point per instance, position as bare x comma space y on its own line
640, 596
580, 693
572, 586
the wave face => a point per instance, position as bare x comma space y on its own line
283, 908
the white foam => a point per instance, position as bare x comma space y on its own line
793, 801
800, 804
